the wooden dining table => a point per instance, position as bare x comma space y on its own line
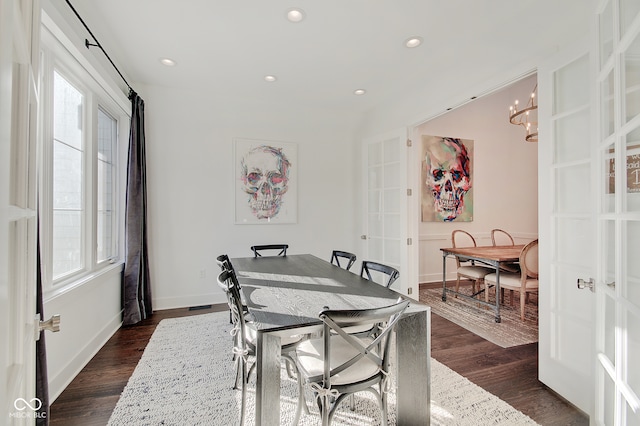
285, 296
494, 256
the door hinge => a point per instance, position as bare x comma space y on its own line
409, 143
409, 241
409, 192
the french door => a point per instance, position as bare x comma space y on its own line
618, 211
590, 218
386, 231
19, 41
566, 225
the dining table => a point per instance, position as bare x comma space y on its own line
493, 256
285, 295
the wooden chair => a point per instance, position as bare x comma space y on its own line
244, 338
526, 281
368, 266
468, 268
337, 254
282, 247
340, 364
500, 237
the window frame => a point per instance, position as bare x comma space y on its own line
58, 55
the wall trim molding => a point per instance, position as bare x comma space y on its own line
163, 303
58, 383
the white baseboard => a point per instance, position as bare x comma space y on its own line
58, 383
188, 301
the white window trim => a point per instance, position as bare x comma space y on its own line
60, 54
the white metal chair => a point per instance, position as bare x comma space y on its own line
339, 364
244, 338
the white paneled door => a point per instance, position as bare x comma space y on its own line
385, 203
618, 213
566, 225
19, 40
590, 218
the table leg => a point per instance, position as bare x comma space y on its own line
268, 352
444, 277
498, 319
413, 346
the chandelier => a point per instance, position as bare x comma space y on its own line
527, 117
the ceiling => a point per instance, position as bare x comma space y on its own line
225, 48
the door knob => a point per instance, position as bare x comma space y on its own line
590, 284
52, 324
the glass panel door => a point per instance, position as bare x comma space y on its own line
386, 226
618, 282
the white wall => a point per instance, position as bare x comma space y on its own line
191, 187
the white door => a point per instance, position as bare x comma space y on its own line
19, 40
618, 213
386, 231
567, 225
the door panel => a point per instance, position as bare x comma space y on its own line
385, 233
617, 285
19, 41
567, 230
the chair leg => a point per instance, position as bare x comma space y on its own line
457, 285
522, 300
244, 393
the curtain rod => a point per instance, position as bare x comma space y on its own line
97, 44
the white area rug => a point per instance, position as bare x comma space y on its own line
185, 377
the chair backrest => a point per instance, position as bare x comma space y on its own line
223, 262
368, 266
460, 238
529, 260
377, 350
228, 282
351, 258
500, 237
281, 247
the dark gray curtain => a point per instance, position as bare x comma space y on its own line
136, 286
42, 379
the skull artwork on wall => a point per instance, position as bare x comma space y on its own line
447, 179
265, 173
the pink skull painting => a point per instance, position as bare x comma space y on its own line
447, 176
265, 178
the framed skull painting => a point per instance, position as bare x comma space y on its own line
447, 179
266, 182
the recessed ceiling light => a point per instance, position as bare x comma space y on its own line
270, 78
168, 62
359, 92
295, 15
412, 42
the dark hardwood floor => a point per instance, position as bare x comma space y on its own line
510, 374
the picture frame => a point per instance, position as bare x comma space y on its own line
265, 178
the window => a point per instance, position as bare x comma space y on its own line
68, 177
82, 179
